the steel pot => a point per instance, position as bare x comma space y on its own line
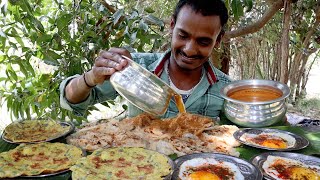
255, 113
142, 88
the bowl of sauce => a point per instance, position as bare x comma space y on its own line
255, 102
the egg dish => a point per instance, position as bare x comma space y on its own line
34, 131
209, 169
36, 159
122, 163
285, 168
274, 140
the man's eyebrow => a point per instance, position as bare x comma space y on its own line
200, 38
183, 31
205, 39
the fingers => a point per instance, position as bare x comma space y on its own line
103, 71
107, 63
112, 58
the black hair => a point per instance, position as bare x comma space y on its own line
205, 7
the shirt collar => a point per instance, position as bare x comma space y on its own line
210, 73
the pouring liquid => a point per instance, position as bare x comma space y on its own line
179, 103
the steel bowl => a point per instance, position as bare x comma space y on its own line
255, 113
142, 88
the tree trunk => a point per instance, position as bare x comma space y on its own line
221, 58
296, 64
285, 42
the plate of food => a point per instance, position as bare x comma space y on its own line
271, 139
287, 165
38, 160
214, 166
36, 131
123, 163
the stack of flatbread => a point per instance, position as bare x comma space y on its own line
184, 134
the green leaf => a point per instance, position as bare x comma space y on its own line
53, 55
150, 19
44, 38
13, 45
3, 43
149, 10
11, 73
50, 61
134, 15
26, 7
63, 21
248, 4
117, 15
143, 26
23, 69
237, 9
124, 106
38, 25
12, 32
29, 68
133, 37
19, 40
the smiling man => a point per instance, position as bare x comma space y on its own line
196, 29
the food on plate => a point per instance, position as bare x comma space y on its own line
285, 168
122, 163
184, 134
36, 159
209, 168
34, 130
275, 140
255, 93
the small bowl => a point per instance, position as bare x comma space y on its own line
255, 102
142, 88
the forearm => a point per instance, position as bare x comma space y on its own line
77, 90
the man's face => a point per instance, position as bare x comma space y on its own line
193, 38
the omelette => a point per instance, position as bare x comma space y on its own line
34, 131
274, 140
122, 163
36, 159
209, 169
282, 168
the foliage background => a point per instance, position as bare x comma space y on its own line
42, 42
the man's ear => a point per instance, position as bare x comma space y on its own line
172, 24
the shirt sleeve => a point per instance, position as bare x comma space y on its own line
99, 93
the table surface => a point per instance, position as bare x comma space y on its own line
246, 152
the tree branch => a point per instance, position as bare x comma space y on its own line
252, 28
108, 6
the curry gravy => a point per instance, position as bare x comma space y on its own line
179, 103
255, 93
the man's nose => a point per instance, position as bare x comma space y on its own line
190, 48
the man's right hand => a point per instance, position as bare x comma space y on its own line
107, 63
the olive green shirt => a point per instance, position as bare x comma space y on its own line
205, 99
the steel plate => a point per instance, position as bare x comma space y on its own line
260, 159
301, 142
248, 170
71, 129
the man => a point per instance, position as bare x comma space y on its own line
196, 28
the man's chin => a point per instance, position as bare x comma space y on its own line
186, 66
